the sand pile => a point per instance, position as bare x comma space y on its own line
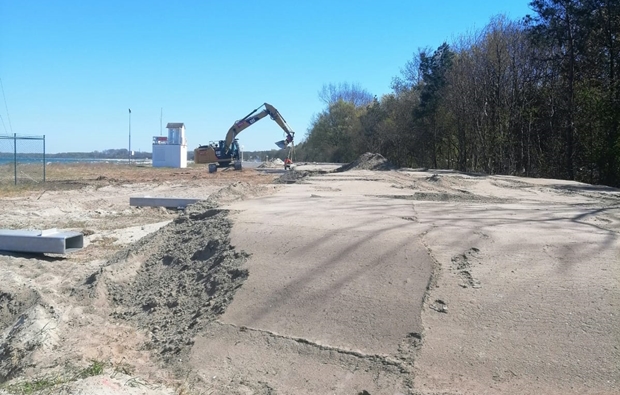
368, 161
274, 163
292, 177
188, 279
236, 191
16, 343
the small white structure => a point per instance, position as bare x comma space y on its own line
171, 151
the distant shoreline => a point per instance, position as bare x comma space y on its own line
52, 160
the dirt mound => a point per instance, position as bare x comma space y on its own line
12, 305
274, 163
16, 342
292, 177
236, 191
368, 161
187, 281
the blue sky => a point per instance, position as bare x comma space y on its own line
72, 69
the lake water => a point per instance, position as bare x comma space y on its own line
5, 160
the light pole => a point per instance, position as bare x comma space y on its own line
242, 153
129, 136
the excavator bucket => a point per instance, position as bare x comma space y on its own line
281, 144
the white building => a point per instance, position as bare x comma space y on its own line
171, 151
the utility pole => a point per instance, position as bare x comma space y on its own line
129, 136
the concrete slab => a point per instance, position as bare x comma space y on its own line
289, 366
337, 271
533, 295
346, 276
147, 201
309, 166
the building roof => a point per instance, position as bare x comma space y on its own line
175, 125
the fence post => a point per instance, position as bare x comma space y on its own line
44, 163
15, 156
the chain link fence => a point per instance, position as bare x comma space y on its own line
22, 159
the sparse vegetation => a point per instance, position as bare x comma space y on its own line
31, 387
72, 176
94, 369
39, 385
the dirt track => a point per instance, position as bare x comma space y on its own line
379, 281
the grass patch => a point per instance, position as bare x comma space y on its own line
106, 242
94, 369
74, 224
72, 176
11, 190
32, 387
38, 188
124, 368
35, 386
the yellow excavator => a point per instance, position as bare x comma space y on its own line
226, 152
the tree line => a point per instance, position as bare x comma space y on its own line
536, 97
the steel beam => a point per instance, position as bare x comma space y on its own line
41, 241
161, 202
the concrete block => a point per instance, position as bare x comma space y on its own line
161, 202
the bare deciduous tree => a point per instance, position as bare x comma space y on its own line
348, 92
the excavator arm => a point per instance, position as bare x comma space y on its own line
256, 116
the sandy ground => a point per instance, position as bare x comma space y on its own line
352, 282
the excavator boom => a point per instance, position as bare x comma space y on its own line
255, 116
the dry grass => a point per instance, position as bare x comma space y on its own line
107, 243
68, 176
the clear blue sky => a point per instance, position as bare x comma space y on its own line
72, 69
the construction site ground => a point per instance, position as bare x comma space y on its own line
324, 280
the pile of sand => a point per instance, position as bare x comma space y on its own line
189, 277
292, 177
236, 191
15, 343
368, 161
274, 163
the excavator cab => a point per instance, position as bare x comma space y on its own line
234, 150
220, 148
